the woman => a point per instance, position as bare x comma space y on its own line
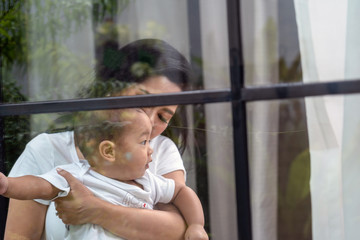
154, 67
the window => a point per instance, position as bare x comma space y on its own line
257, 108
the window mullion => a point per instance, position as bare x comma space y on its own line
189, 97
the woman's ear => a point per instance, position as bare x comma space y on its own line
107, 150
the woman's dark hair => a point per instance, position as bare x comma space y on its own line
141, 59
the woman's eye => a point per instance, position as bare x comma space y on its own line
161, 117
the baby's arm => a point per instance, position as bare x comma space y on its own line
26, 188
186, 200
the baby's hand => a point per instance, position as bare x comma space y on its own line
196, 232
3, 184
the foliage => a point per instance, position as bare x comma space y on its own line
107, 8
297, 197
292, 73
16, 128
11, 31
294, 206
33, 33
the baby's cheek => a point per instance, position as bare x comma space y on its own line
127, 156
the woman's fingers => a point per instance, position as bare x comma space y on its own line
69, 178
77, 189
71, 208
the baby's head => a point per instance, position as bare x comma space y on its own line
117, 146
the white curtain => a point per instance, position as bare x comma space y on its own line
220, 155
166, 20
261, 54
329, 37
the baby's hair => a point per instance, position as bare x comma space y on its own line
88, 137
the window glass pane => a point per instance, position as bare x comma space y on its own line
304, 165
279, 170
54, 50
270, 42
209, 168
293, 41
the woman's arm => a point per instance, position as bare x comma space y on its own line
20, 223
129, 223
133, 223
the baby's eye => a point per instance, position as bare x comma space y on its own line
143, 142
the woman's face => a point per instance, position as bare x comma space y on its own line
159, 116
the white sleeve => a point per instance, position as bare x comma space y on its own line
166, 157
75, 169
162, 188
57, 181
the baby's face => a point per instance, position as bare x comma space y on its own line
133, 153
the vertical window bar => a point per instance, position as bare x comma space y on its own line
3, 200
201, 170
239, 121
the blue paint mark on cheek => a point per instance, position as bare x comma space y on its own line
128, 156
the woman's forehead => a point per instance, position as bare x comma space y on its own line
159, 84
127, 114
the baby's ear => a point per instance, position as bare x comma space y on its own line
107, 150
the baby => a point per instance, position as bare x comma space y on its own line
117, 155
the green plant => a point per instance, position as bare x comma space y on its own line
294, 205
16, 128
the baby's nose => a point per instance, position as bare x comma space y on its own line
149, 154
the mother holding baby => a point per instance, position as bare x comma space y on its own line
152, 66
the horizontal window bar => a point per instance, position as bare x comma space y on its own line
298, 90
189, 97
271, 92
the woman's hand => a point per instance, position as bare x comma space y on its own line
76, 207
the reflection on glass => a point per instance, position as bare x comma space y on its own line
333, 136
270, 42
59, 47
208, 156
279, 170
116, 146
304, 167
